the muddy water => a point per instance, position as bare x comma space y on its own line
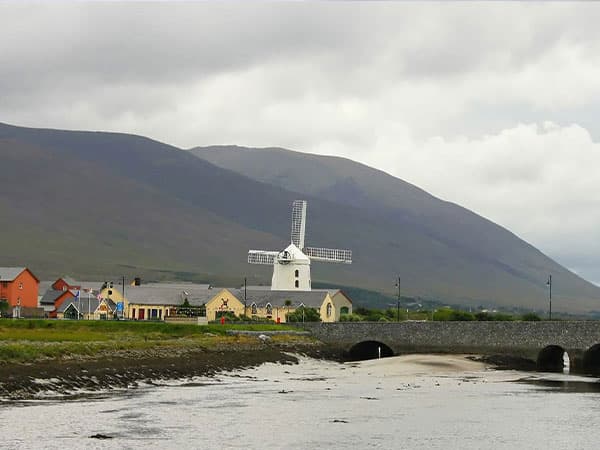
418, 402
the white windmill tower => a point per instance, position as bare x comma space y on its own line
291, 266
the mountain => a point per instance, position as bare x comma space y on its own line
97, 204
441, 249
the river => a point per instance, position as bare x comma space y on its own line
415, 402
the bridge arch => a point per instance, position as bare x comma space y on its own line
553, 358
591, 359
370, 350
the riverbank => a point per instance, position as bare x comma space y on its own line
68, 359
56, 358
73, 376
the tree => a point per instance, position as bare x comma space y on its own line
304, 314
288, 303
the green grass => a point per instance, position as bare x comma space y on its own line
102, 330
31, 340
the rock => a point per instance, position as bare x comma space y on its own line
100, 436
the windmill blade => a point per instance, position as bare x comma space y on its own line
262, 257
298, 223
329, 255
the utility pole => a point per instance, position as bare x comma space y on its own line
549, 284
398, 312
245, 300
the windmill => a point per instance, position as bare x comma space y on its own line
291, 266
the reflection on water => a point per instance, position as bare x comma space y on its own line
566, 363
419, 402
563, 385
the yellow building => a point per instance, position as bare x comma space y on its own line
225, 301
156, 301
262, 302
112, 291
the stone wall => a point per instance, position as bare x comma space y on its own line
517, 338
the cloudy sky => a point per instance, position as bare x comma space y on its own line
495, 106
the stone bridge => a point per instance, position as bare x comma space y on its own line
544, 342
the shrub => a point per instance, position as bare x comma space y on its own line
351, 318
530, 317
461, 316
310, 315
485, 316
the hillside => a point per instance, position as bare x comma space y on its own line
93, 204
455, 247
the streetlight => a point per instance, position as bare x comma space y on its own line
549, 284
398, 286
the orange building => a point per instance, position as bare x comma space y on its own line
19, 287
65, 283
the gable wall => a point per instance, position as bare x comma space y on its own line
24, 288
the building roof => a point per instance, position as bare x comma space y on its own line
10, 273
95, 285
170, 294
181, 285
44, 286
70, 281
83, 303
268, 288
310, 299
51, 295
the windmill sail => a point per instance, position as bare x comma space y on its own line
329, 255
262, 257
298, 223
291, 266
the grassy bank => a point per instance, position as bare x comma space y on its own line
35, 340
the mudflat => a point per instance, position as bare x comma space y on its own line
67, 377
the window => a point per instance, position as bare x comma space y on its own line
20, 285
296, 283
254, 308
344, 310
297, 273
329, 309
269, 309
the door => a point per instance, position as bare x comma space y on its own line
141, 313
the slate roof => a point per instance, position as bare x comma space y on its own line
170, 294
10, 273
70, 281
182, 285
95, 285
310, 299
50, 296
44, 286
93, 305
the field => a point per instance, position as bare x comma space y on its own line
23, 341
